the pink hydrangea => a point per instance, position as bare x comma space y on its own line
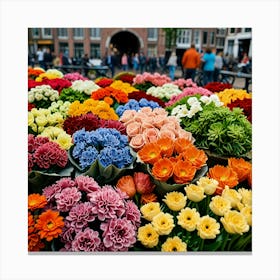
118, 234
86, 241
107, 203
87, 184
80, 215
67, 199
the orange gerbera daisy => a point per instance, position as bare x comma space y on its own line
36, 201
49, 225
180, 144
166, 145
163, 169
126, 184
225, 175
195, 156
148, 197
35, 243
150, 153
241, 167
31, 223
183, 172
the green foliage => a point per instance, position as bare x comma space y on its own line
68, 94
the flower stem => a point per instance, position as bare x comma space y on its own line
201, 245
225, 241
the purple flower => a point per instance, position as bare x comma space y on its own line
133, 214
118, 234
67, 199
86, 241
107, 203
87, 184
80, 215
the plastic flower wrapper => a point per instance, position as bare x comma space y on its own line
96, 218
42, 96
103, 154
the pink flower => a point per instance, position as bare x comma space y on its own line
159, 121
127, 115
133, 214
30, 162
161, 112
87, 184
143, 183
133, 129
167, 133
146, 110
150, 135
86, 241
67, 199
137, 142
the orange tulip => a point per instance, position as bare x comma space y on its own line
226, 176
195, 156
163, 169
181, 144
241, 167
150, 153
148, 197
183, 172
126, 184
166, 145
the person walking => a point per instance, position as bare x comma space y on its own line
172, 64
135, 62
124, 62
110, 62
190, 62
209, 66
142, 62
218, 66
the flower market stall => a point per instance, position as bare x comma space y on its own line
137, 163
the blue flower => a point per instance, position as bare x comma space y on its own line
79, 136
105, 156
78, 149
154, 104
123, 141
88, 157
93, 138
143, 102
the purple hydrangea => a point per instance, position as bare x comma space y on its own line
118, 234
67, 199
107, 203
86, 241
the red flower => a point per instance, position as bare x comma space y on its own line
217, 86
137, 95
245, 104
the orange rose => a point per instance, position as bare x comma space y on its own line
150, 153
126, 184
181, 144
163, 169
166, 145
148, 197
241, 167
183, 172
226, 176
195, 156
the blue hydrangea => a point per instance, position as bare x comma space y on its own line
79, 136
105, 156
78, 149
88, 157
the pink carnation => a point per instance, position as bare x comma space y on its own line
30, 162
87, 184
86, 241
67, 199
133, 214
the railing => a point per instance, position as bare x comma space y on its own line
248, 77
100, 71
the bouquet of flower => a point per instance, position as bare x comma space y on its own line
217, 86
49, 74
147, 125
132, 104
39, 119
74, 77
99, 108
33, 73
138, 95
164, 92
95, 218
245, 105
90, 122
183, 83
126, 77
104, 82
227, 96
42, 96
189, 106
85, 86
56, 84
60, 107
44, 225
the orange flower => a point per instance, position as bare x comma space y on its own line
49, 225
126, 184
181, 144
108, 100
166, 145
226, 176
249, 179
35, 243
36, 201
150, 153
241, 167
31, 223
183, 172
163, 169
148, 197
195, 156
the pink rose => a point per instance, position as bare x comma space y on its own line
160, 111
150, 135
143, 183
137, 142
186, 134
133, 129
127, 115
146, 110
167, 133
159, 121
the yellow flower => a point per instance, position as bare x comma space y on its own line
234, 222
229, 95
232, 195
188, 218
148, 236
150, 210
41, 120
64, 140
34, 127
40, 129
30, 118
163, 223
219, 205
194, 193
175, 200
247, 212
246, 196
208, 184
174, 244
208, 228
125, 87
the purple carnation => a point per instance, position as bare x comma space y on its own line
107, 203
118, 234
67, 199
87, 184
80, 215
86, 241
133, 214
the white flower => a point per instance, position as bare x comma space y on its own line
31, 98
193, 100
38, 96
205, 99
214, 98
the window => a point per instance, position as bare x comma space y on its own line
152, 50
95, 51
196, 38
46, 32
212, 38
78, 50
95, 33
35, 32
205, 37
63, 47
78, 32
184, 38
230, 46
152, 34
220, 42
231, 30
62, 32
248, 30
221, 31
